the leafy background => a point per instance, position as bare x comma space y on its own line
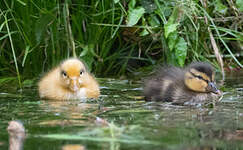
117, 38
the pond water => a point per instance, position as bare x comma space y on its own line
122, 120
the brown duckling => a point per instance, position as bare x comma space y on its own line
69, 80
192, 85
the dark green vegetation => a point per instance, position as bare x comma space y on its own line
121, 120
116, 37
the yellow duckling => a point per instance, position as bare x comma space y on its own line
69, 80
191, 85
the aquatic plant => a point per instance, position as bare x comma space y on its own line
117, 37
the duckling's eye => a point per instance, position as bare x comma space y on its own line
200, 77
64, 74
81, 72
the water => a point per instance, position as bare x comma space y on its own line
122, 120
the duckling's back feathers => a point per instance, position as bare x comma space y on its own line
161, 85
169, 72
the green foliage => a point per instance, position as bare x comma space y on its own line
185, 37
114, 37
181, 51
239, 4
221, 8
134, 14
177, 45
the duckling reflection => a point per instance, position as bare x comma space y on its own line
192, 85
70, 112
17, 135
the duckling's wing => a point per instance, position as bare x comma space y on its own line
170, 72
152, 90
160, 87
181, 94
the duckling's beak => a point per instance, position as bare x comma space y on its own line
213, 88
74, 85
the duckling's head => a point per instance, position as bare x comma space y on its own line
199, 77
72, 74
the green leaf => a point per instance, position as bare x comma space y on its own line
148, 5
21, 2
7, 35
169, 28
181, 51
220, 7
239, 4
116, 1
172, 23
84, 51
134, 15
28, 83
171, 58
172, 39
144, 32
41, 25
6, 79
26, 52
153, 21
174, 15
131, 4
87, 55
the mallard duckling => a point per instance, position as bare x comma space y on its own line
191, 85
69, 80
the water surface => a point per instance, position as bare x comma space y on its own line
122, 120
